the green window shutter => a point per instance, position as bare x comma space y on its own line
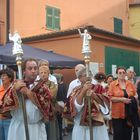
56, 18
49, 17
121, 57
52, 18
117, 25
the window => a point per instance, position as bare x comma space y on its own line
118, 25
52, 18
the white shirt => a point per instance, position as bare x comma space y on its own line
76, 83
51, 78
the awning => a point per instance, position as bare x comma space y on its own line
56, 60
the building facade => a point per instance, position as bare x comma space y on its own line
38, 17
109, 50
134, 20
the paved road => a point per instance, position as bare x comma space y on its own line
69, 137
111, 138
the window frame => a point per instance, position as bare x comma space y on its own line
52, 18
118, 25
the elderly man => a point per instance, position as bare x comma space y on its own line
78, 107
76, 82
131, 75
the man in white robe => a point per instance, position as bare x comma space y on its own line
76, 82
78, 109
37, 103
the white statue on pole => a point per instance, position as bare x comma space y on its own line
86, 41
17, 49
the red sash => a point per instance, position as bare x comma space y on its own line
97, 117
9, 101
41, 96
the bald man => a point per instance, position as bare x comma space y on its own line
77, 82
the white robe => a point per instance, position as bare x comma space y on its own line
35, 125
82, 132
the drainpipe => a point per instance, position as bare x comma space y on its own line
7, 20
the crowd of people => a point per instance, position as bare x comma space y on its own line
50, 105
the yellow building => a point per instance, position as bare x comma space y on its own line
134, 20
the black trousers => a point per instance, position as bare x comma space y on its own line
121, 131
59, 119
136, 135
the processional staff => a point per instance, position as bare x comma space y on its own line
86, 52
18, 52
